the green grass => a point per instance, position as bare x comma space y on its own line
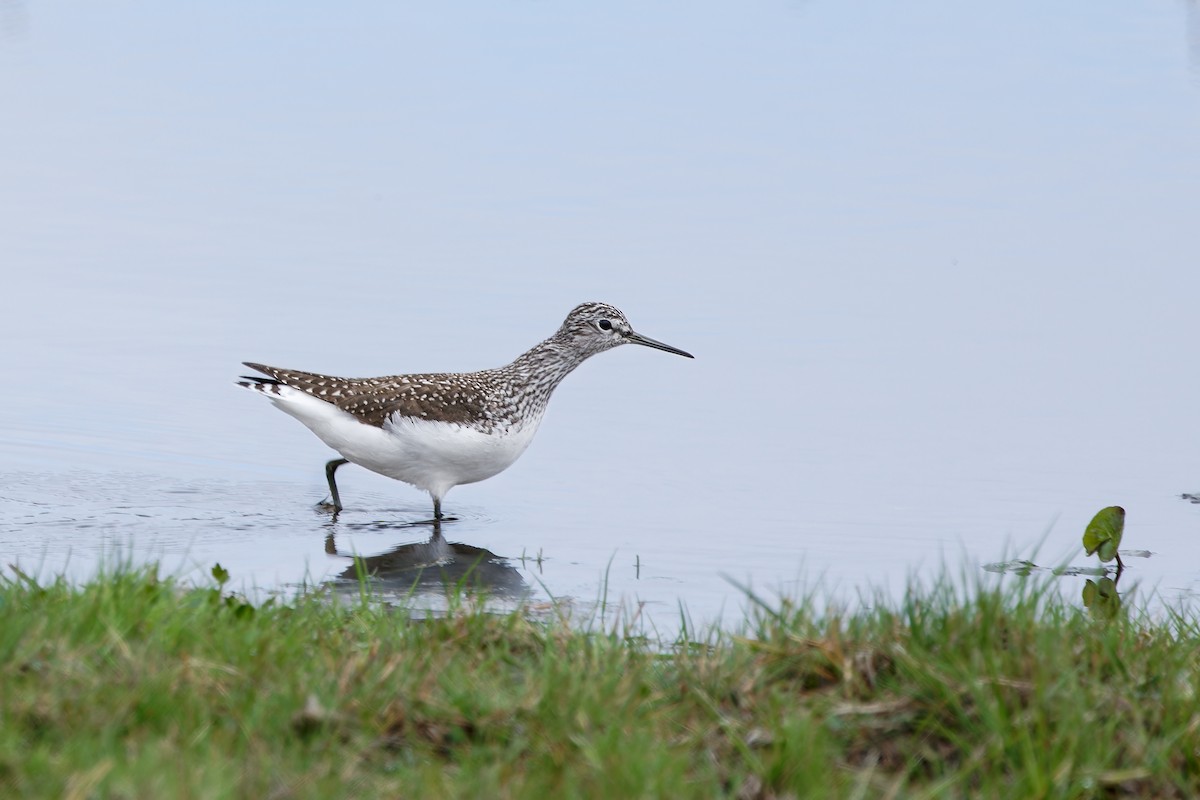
133, 686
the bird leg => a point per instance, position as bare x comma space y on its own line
437, 509
330, 469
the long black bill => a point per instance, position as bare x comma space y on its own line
637, 338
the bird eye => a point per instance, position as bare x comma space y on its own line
604, 325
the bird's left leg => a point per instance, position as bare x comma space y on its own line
330, 469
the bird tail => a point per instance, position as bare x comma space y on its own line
259, 383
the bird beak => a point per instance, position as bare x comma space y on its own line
637, 338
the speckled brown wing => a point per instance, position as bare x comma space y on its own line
373, 400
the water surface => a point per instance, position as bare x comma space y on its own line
937, 264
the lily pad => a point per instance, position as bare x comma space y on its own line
1017, 566
1136, 553
1099, 572
1103, 534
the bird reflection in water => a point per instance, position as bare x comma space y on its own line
436, 566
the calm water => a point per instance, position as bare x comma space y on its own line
937, 262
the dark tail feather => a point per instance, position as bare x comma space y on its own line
259, 381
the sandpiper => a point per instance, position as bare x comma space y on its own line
439, 430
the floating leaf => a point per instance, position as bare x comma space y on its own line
1099, 572
1103, 534
1018, 566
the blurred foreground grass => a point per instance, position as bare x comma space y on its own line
133, 686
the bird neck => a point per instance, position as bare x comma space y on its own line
548, 362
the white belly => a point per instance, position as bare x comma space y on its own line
433, 456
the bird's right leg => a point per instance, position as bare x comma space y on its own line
330, 469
